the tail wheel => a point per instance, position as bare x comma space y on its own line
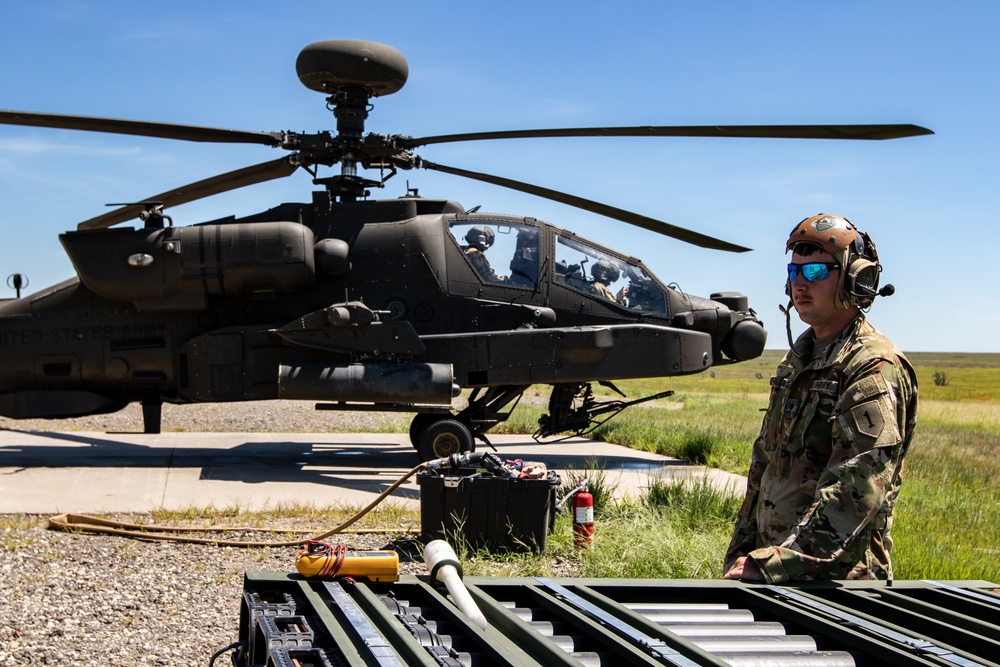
444, 438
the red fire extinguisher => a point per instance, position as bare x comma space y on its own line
583, 517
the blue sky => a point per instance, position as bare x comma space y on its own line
928, 201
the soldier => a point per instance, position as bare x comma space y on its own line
604, 273
524, 265
827, 465
480, 238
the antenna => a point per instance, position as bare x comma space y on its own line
17, 281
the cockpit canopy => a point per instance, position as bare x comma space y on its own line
584, 267
509, 254
500, 252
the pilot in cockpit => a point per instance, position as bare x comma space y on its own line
480, 238
524, 265
604, 273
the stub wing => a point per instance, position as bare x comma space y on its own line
573, 354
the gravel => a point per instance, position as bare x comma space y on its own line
248, 417
76, 599
79, 599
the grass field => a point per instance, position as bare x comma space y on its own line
948, 515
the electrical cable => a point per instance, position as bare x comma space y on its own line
75, 523
222, 650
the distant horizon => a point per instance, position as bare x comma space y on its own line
785, 349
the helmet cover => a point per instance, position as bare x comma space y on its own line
830, 232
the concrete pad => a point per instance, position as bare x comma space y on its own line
54, 472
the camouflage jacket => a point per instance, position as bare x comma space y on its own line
827, 465
482, 265
602, 290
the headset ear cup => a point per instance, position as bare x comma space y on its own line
861, 281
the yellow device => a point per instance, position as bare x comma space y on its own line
320, 560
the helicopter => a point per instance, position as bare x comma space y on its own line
359, 303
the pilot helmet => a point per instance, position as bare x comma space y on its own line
853, 250
480, 237
605, 272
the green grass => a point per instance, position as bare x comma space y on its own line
948, 517
713, 430
14, 533
677, 531
947, 522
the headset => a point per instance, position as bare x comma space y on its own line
861, 275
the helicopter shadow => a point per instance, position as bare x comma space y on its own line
336, 462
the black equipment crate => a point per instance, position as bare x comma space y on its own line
487, 511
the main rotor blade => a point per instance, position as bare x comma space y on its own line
651, 224
231, 180
139, 128
870, 132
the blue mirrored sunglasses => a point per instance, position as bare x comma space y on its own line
812, 271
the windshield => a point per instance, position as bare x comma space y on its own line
588, 269
501, 253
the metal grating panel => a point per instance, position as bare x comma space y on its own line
603, 622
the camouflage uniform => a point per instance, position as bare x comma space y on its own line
482, 265
600, 289
827, 465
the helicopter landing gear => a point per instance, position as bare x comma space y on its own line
574, 409
420, 422
151, 413
442, 438
482, 413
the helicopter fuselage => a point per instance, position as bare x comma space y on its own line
372, 305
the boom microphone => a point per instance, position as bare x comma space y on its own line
888, 290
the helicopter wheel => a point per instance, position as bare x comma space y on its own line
444, 438
420, 422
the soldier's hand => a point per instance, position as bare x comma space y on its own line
745, 569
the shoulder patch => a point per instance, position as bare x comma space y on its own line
868, 419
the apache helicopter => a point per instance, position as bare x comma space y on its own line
361, 304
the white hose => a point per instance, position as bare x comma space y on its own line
443, 564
